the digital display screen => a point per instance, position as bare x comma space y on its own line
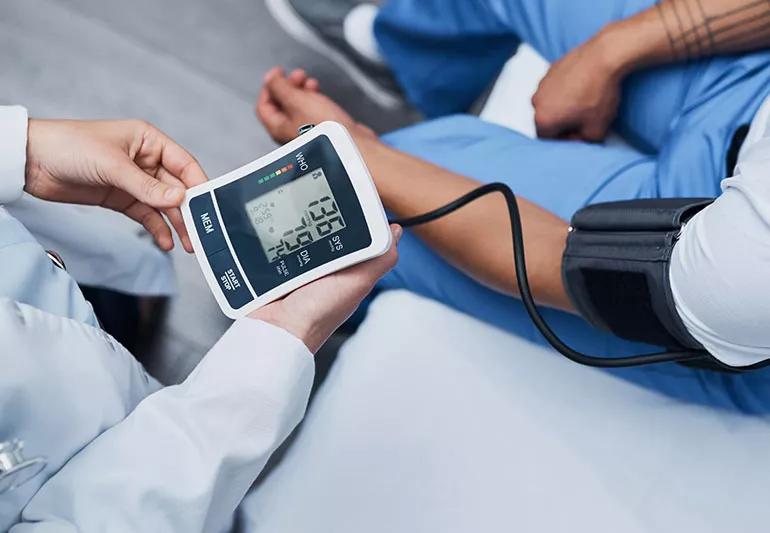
282, 220
294, 215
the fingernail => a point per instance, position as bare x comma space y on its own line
398, 231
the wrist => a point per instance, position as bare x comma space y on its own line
33, 128
362, 134
616, 52
373, 150
371, 147
39, 145
308, 334
634, 43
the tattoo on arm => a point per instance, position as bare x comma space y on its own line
698, 28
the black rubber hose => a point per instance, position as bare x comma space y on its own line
526, 294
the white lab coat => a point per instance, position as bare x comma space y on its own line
102, 248
123, 453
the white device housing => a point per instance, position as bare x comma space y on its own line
366, 192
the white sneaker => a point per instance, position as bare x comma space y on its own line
320, 25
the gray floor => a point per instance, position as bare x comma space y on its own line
192, 67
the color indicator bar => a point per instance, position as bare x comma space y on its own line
278, 172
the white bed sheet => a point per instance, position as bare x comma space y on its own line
432, 421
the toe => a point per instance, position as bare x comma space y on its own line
312, 84
272, 73
298, 77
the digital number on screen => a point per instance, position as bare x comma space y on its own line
294, 215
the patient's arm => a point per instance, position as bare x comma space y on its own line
677, 30
477, 238
579, 96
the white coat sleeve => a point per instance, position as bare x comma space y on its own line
719, 269
13, 152
183, 460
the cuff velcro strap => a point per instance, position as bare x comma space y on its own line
616, 268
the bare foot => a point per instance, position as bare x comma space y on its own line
287, 102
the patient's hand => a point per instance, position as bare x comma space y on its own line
579, 97
288, 102
125, 165
313, 312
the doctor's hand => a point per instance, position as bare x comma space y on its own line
128, 166
315, 311
579, 96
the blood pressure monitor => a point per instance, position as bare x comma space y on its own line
304, 211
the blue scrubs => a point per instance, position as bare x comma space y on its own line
679, 121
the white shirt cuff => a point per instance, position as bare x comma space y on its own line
13, 152
256, 356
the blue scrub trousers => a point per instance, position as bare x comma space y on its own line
679, 121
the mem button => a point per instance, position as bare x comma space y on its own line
230, 279
207, 224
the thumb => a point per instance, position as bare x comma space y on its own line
385, 263
145, 188
368, 273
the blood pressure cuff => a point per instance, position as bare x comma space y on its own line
616, 268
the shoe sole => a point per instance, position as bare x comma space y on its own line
293, 24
